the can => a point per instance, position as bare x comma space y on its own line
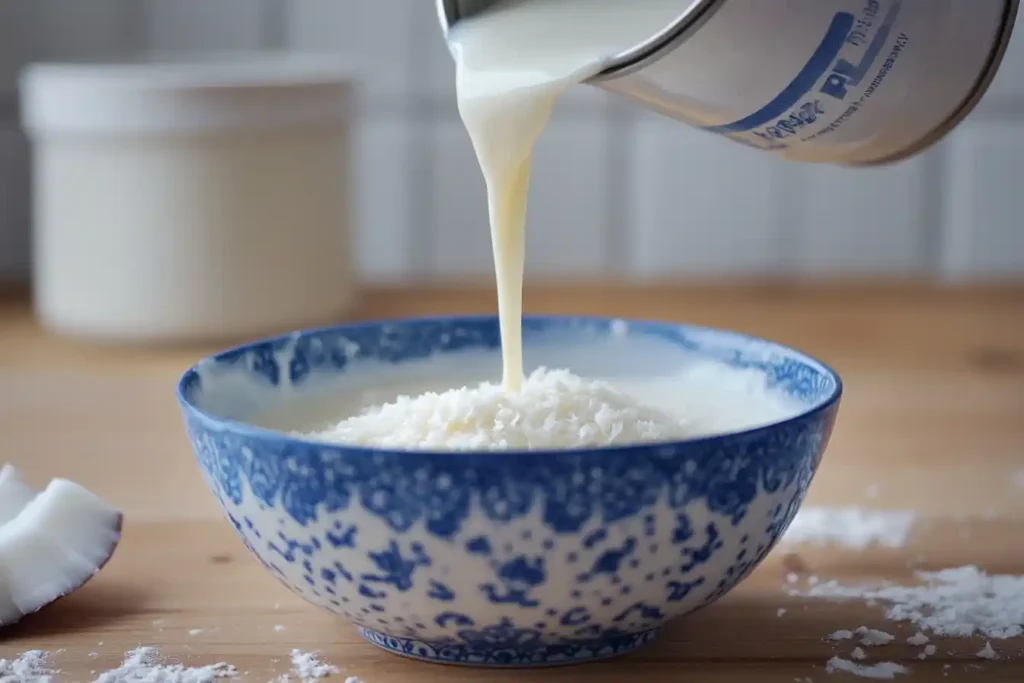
848, 82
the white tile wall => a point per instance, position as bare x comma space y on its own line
568, 213
375, 38
984, 217
14, 228
615, 190
385, 214
14, 206
699, 207
33, 30
570, 210
177, 25
861, 221
457, 216
71, 29
13, 48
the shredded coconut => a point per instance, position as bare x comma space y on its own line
143, 665
841, 635
307, 668
858, 653
918, 639
554, 410
957, 602
781, 611
987, 652
28, 667
927, 652
850, 527
879, 671
871, 637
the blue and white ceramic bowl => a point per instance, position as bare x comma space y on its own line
513, 559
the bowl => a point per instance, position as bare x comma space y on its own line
509, 559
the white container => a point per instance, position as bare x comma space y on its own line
180, 201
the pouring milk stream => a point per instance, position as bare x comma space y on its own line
854, 82
512, 64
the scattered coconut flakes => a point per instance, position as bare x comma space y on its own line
142, 665
841, 635
781, 611
858, 653
928, 651
918, 639
873, 637
195, 631
958, 602
987, 652
307, 667
792, 577
28, 667
850, 527
879, 671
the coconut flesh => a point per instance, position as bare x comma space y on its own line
51, 542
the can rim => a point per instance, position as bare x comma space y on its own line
637, 57
968, 105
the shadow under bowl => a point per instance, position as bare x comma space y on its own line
532, 558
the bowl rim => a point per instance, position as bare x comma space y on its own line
251, 431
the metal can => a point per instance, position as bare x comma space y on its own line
851, 82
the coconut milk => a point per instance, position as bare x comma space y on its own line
512, 64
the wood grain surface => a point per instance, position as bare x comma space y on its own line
933, 420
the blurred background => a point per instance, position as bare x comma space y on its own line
617, 192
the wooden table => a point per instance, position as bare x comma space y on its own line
933, 420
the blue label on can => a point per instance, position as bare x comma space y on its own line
804, 102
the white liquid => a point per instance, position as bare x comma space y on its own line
513, 62
706, 397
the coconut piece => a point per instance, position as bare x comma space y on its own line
58, 541
15, 494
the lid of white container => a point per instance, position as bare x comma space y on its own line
193, 93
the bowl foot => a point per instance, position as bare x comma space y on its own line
511, 656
